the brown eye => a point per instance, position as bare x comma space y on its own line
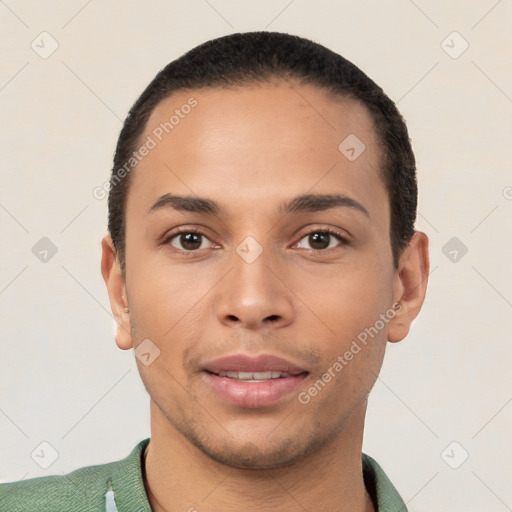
187, 241
190, 241
321, 240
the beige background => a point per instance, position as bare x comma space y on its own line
63, 380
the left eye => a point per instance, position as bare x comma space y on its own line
321, 240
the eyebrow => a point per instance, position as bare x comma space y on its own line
299, 204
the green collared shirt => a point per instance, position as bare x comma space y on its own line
119, 487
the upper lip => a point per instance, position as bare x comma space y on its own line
248, 363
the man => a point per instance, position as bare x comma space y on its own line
261, 253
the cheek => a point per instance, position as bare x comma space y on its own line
347, 301
169, 309
350, 330
167, 295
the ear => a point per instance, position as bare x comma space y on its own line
409, 286
116, 288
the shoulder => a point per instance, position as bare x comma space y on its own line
384, 494
82, 490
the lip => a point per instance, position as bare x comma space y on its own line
249, 394
246, 363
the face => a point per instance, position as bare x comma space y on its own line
252, 279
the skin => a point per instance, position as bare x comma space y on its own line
250, 149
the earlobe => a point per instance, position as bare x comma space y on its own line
116, 288
410, 286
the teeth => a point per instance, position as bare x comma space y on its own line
254, 376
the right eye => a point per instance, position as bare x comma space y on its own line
186, 240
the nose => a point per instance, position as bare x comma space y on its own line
254, 294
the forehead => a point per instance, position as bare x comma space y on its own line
269, 107
265, 139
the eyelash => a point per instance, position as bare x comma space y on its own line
197, 231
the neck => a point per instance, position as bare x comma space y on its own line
179, 477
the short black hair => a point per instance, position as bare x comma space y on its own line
242, 59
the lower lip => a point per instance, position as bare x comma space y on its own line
254, 394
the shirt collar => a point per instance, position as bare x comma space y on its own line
126, 489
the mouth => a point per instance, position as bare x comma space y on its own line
255, 376
253, 382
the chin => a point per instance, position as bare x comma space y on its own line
265, 455
250, 456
